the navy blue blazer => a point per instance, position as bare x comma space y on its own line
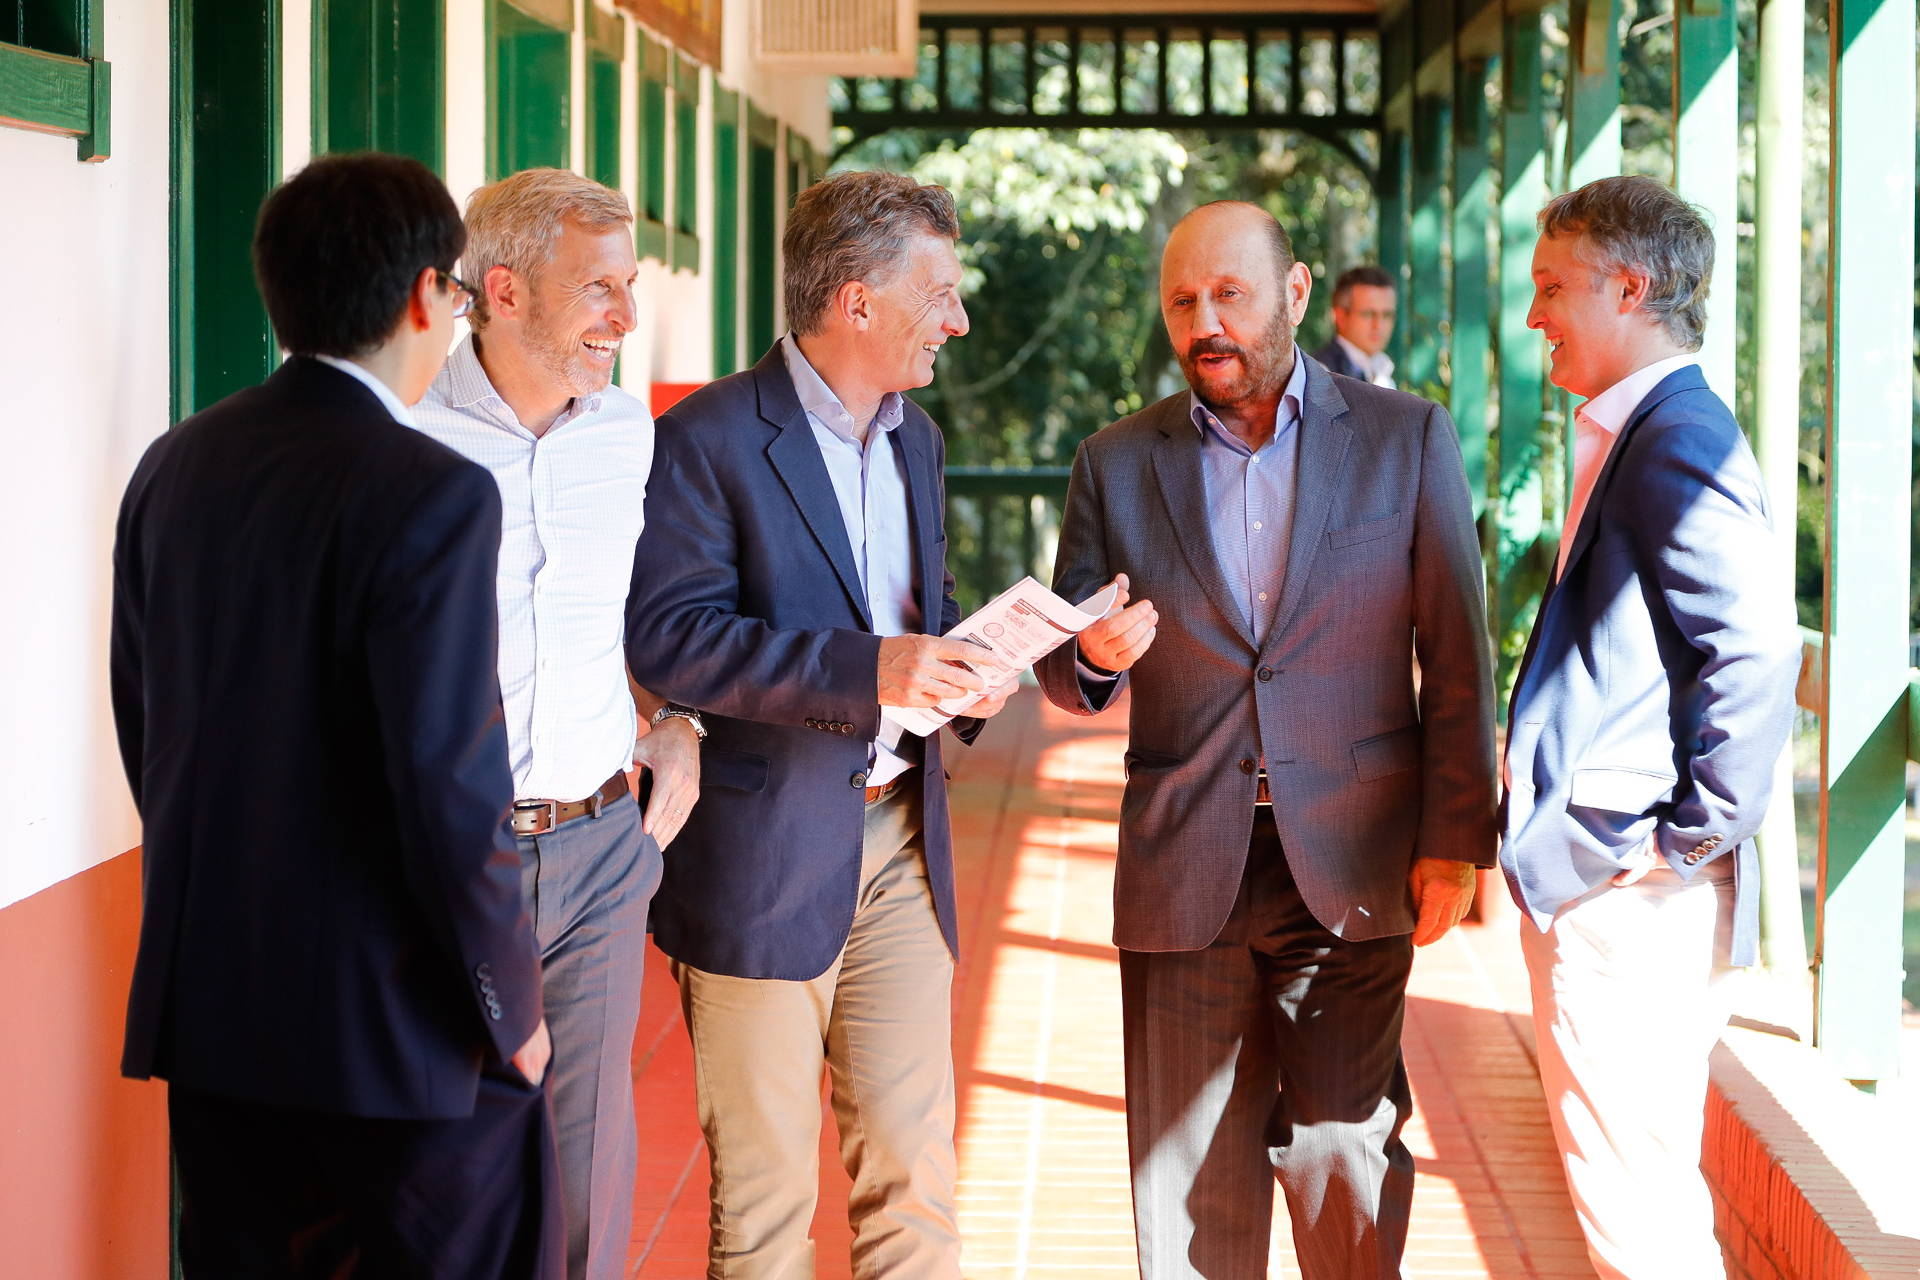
1657, 688
309, 714
746, 604
1335, 357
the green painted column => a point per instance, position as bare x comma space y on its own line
1395, 161
1706, 158
1776, 413
1863, 731
1521, 557
1426, 307
1593, 93
1472, 336
726, 232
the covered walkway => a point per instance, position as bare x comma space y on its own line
1043, 1157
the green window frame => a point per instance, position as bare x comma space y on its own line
726, 232
380, 78
530, 84
54, 77
763, 230
606, 92
225, 159
650, 161
685, 247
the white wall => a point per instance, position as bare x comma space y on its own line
83, 388
85, 373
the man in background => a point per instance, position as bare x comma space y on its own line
335, 971
528, 395
1363, 307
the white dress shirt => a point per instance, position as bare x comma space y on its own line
395, 406
869, 479
1597, 424
1379, 369
571, 504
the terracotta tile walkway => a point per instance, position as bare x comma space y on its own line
1043, 1160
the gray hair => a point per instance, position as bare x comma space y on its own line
513, 223
855, 226
1635, 226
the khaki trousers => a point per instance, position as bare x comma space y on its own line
1630, 993
879, 1022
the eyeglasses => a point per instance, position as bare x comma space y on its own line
463, 302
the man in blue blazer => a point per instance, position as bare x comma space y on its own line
793, 559
1655, 696
335, 972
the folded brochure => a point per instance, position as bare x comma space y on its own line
1018, 627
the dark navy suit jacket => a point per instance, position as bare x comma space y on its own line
1657, 688
304, 685
746, 604
1335, 357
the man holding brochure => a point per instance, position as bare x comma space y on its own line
1299, 810
793, 560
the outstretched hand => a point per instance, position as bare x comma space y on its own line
1116, 641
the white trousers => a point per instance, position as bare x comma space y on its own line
1630, 993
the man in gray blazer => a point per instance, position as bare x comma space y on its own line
1299, 810
1655, 696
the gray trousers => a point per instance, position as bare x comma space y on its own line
1272, 1053
587, 885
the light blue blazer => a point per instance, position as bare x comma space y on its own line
1657, 688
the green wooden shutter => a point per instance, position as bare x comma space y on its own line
530, 76
379, 78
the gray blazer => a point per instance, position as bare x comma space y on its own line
1657, 688
1367, 771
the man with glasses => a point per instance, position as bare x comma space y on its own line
528, 395
335, 973
1363, 306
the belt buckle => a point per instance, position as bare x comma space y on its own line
549, 807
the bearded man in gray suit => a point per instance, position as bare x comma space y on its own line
1300, 810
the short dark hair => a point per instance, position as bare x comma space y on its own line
1632, 225
338, 246
854, 226
1371, 276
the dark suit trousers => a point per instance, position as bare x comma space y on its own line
275, 1193
1272, 1053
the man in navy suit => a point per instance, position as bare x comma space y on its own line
1655, 696
335, 971
793, 560
1363, 308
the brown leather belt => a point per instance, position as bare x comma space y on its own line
1263, 794
537, 817
876, 794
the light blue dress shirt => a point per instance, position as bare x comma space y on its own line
869, 479
1250, 502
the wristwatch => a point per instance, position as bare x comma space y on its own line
671, 711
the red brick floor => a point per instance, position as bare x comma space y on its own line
1042, 1141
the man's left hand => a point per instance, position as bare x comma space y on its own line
1442, 892
993, 699
672, 750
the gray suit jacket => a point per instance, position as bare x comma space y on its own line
1657, 689
1367, 771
